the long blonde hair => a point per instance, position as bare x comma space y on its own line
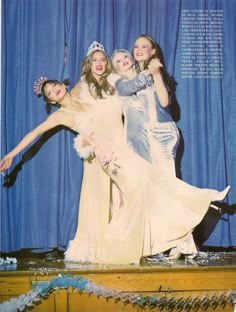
95, 88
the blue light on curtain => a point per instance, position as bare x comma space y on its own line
50, 38
40, 210
207, 118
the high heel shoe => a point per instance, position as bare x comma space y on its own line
221, 195
175, 253
216, 208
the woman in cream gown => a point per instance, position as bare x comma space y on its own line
98, 192
158, 212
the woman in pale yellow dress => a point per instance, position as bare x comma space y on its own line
98, 193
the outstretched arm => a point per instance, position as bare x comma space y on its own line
128, 87
51, 122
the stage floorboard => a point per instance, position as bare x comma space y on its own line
207, 282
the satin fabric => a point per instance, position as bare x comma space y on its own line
151, 131
158, 212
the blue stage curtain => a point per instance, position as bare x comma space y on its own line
50, 38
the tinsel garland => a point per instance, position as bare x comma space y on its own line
7, 261
43, 289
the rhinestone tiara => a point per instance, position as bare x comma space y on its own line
38, 85
95, 46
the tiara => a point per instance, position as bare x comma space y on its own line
38, 85
94, 47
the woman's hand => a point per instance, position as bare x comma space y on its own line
6, 162
154, 66
88, 140
85, 142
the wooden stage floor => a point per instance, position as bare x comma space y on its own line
207, 282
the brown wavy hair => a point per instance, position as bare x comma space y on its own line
93, 84
158, 54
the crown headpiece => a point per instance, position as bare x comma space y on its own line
38, 85
95, 46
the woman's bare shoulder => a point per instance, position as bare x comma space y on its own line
60, 117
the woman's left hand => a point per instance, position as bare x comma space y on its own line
155, 65
6, 162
